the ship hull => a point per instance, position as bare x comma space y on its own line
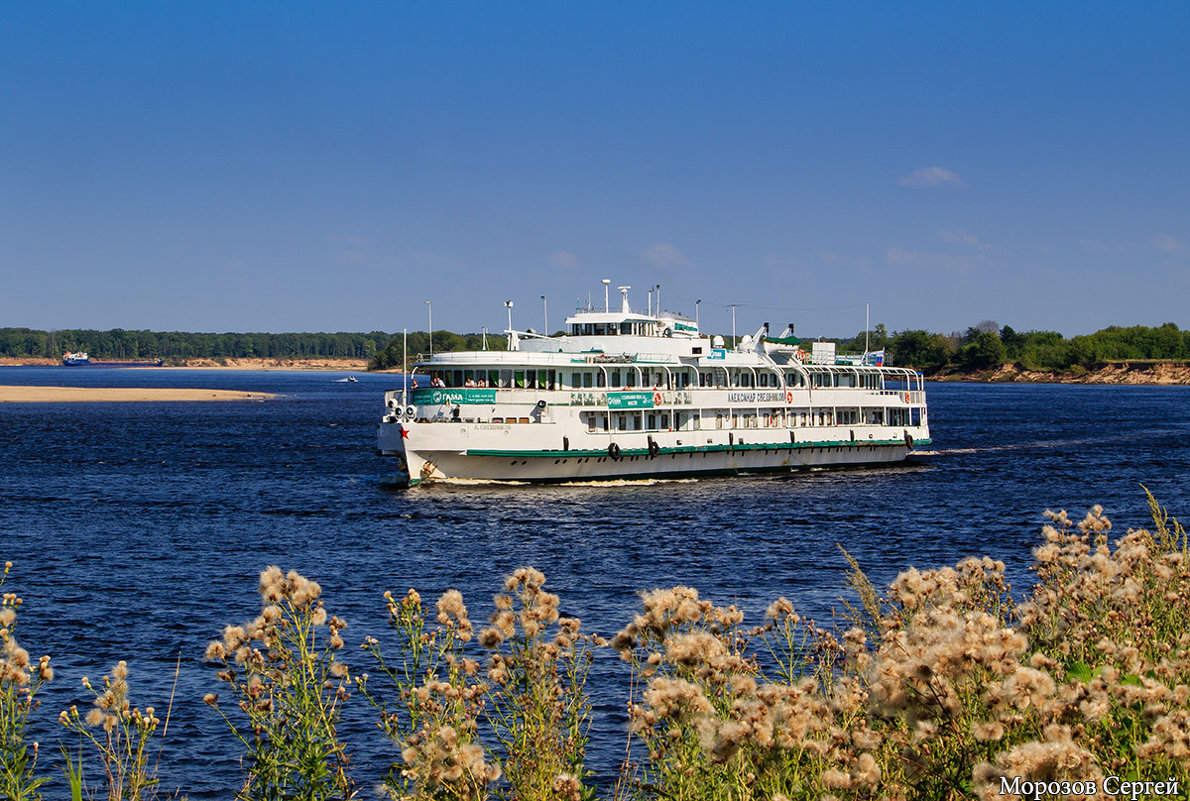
668, 461
89, 363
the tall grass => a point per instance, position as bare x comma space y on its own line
515, 730
20, 681
944, 685
288, 685
120, 736
433, 705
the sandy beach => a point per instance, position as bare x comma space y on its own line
121, 394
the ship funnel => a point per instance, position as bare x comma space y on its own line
624, 309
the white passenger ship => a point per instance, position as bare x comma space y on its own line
630, 394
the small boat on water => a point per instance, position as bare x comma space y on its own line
348, 380
83, 359
643, 394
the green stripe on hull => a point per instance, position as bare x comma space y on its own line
669, 474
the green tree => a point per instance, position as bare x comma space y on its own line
984, 351
1043, 350
920, 349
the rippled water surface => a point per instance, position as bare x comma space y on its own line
138, 530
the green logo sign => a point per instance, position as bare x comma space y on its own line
630, 400
436, 397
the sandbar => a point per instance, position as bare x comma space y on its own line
9, 394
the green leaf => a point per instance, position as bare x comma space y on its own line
74, 775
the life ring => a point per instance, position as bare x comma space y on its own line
789, 397
656, 398
654, 449
906, 397
613, 451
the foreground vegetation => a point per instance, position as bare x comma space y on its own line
944, 686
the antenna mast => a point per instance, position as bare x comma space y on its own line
867, 325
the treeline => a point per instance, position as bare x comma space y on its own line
419, 346
987, 345
121, 344
980, 347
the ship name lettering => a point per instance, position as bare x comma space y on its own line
586, 399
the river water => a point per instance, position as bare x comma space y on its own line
138, 530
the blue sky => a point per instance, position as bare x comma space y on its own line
267, 166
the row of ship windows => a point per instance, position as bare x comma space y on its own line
720, 419
643, 377
614, 329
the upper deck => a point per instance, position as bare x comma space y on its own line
631, 348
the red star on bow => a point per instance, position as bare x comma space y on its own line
404, 433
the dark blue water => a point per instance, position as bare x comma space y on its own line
138, 530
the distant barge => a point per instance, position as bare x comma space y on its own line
82, 359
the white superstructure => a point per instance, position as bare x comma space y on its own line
629, 394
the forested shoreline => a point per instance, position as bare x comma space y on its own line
119, 343
987, 346
982, 347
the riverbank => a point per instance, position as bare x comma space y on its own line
121, 394
1130, 373
339, 365
329, 365
1124, 372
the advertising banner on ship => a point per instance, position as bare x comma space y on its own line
630, 400
460, 396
